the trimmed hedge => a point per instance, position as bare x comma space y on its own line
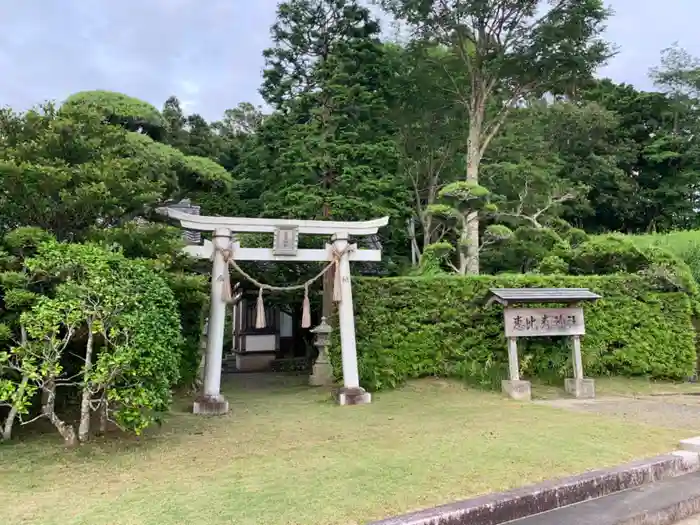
409, 327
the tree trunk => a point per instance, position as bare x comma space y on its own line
472, 262
67, 431
427, 221
84, 427
10, 421
415, 252
462, 247
473, 162
103, 416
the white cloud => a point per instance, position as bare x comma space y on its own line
208, 52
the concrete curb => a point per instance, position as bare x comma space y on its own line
494, 509
691, 444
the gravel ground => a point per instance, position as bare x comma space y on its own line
690, 521
669, 411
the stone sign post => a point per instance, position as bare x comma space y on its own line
559, 321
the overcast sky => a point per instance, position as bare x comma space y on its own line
208, 52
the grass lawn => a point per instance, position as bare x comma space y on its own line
286, 455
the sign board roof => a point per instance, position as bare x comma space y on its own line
507, 296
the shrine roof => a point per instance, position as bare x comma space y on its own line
507, 296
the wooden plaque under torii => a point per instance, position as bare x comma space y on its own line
286, 240
556, 321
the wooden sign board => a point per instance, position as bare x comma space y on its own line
544, 322
286, 240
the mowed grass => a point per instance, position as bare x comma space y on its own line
287, 455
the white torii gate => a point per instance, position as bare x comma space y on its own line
286, 232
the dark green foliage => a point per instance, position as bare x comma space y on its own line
524, 250
618, 254
433, 258
609, 254
413, 327
650, 183
305, 34
67, 171
570, 251
122, 110
160, 245
190, 291
553, 264
683, 244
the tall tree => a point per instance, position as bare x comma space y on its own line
329, 150
657, 158
679, 73
511, 50
175, 124
304, 36
431, 133
553, 158
245, 119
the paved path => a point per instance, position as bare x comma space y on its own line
649, 503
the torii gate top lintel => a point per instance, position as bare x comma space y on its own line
265, 225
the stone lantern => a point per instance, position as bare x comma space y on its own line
322, 373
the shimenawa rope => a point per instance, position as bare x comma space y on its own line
306, 307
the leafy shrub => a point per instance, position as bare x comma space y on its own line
611, 254
410, 327
190, 293
523, 250
432, 259
576, 237
134, 315
683, 244
161, 245
606, 255
553, 265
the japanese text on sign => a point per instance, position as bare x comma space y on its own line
541, 322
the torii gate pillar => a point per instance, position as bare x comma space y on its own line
210, 401
351, 393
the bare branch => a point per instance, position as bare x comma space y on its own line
456, 270
533, 218
553, 201
22, 422
494, 127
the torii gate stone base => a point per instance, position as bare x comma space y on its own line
286, 233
